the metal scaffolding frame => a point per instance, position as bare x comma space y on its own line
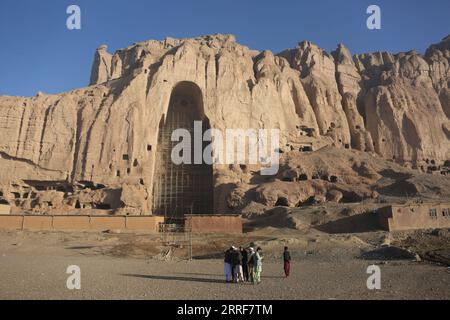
176, 235
185, 188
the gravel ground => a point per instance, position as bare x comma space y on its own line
34, 276
127, 266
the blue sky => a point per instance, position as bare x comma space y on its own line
38, 52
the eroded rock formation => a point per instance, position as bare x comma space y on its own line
96, 147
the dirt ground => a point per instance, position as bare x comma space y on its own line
139, 266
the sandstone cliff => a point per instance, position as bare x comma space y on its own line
397, 106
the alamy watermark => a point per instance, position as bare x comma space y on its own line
74, 280
74, 19
374, 20
235, 146
374, 280
73, 22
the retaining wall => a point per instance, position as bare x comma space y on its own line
80, 223
5, 209
214, 223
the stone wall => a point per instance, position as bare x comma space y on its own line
5, 209
214, 223
80, 223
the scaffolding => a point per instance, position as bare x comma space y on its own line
176, 235
311, 247
186, 187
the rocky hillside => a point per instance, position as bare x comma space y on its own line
396, 106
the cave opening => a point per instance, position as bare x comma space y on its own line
102, 206
184, 188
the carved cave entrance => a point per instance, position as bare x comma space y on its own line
185, 188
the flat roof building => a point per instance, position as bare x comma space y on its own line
415, 216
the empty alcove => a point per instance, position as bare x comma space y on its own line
184, 188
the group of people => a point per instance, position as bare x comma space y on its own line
245, 264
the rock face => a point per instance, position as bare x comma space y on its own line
349, 84
318, 74
101, 68
403, 111
98, 144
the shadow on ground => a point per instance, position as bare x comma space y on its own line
173, 278
190, 279
365, 222
81, 247
388, 253
214, 255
